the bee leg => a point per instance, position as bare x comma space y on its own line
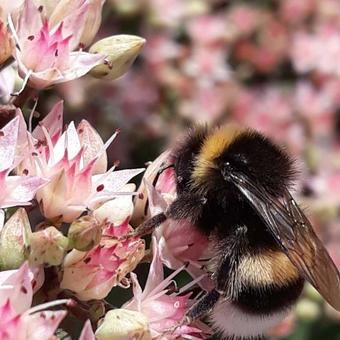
183, 207
203, 306
147, 227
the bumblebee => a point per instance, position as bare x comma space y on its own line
233, 185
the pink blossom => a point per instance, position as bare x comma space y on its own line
175, 250
160, 49
73, 161
166, 12
18, 286
17, 319
16, 190
244, 19
206, 103
85, 27
295, 12
8, 6
208, 29
317, 106
163, 310
319, 51
38, 37
285, 327
7, 82
31, 325
207, 65
91, 275
263, 109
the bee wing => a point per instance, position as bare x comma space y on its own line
295, 235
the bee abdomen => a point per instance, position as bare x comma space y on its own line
270, 298
267, 282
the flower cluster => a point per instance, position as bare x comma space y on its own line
47, 43
66, 212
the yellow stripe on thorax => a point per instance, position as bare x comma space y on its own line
213, 146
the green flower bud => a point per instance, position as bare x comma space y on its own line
307, 310
84, 233
123, 324
13, 239
47, 247
120, 50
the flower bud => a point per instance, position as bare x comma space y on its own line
47, 247
84, 233
120, 51
13, 239
307, 310
122, 324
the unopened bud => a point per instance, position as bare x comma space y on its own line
123, 324
307, 310
84, 233
47, 247
120, 51
13, 238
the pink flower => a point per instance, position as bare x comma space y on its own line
166, 12
163, 310
244, 19
7, 82
206, 103
208, 29
317, 106
18, 286
16, 190
175, 250
208, 65
91, 275
17, 319
8, 6
36, 323
87, 24
55, 42
75, 163
319, 51
295, 12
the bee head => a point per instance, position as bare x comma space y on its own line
259, 159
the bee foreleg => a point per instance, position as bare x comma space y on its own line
203, 306
147, 227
